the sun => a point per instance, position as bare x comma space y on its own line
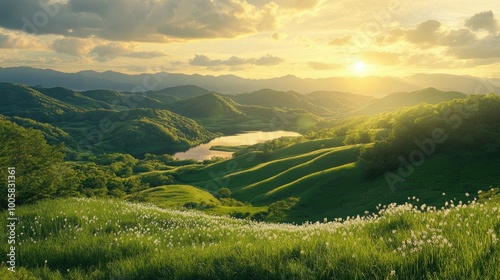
360, 67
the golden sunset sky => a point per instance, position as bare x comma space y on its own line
254, 38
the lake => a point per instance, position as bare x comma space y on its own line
203, 151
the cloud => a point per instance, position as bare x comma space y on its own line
487, 47
100, 50
461, 43
323, 66
18, 41
267, 60
111, 51
340, 41
136, 20
483, 21
425, 32
73, 46
298, 4
234, 61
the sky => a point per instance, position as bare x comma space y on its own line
254, 38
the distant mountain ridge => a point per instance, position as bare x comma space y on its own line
407, 99
231, 84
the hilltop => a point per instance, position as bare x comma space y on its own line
273, 98
210, 105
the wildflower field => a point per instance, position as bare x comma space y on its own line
113, 239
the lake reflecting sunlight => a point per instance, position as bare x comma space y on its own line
203, 151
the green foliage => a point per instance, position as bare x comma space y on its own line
53, 135
120, 164
224, 193
23, 101
467, 124
94, 180
268, 147
134, 185
279, 207
156, 179
40, 171
359, 137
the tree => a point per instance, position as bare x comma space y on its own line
224, 193
279, 207
37, 164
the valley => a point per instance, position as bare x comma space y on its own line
347, 149
260, 159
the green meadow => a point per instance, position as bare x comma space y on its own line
112, 239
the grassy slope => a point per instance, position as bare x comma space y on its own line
324, 174
105, 239
175, 196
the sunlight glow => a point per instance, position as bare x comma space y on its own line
360, 66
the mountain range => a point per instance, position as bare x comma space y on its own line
231, 84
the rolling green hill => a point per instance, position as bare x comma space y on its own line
26, 102
118, 100
175, 196
107, 96
331, 184
134, 131
171, 94
100, 120
273, 98
74, 98
210, 105
53, 135
331, 181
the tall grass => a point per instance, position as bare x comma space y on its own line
110, 239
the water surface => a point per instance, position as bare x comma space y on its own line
203, 151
